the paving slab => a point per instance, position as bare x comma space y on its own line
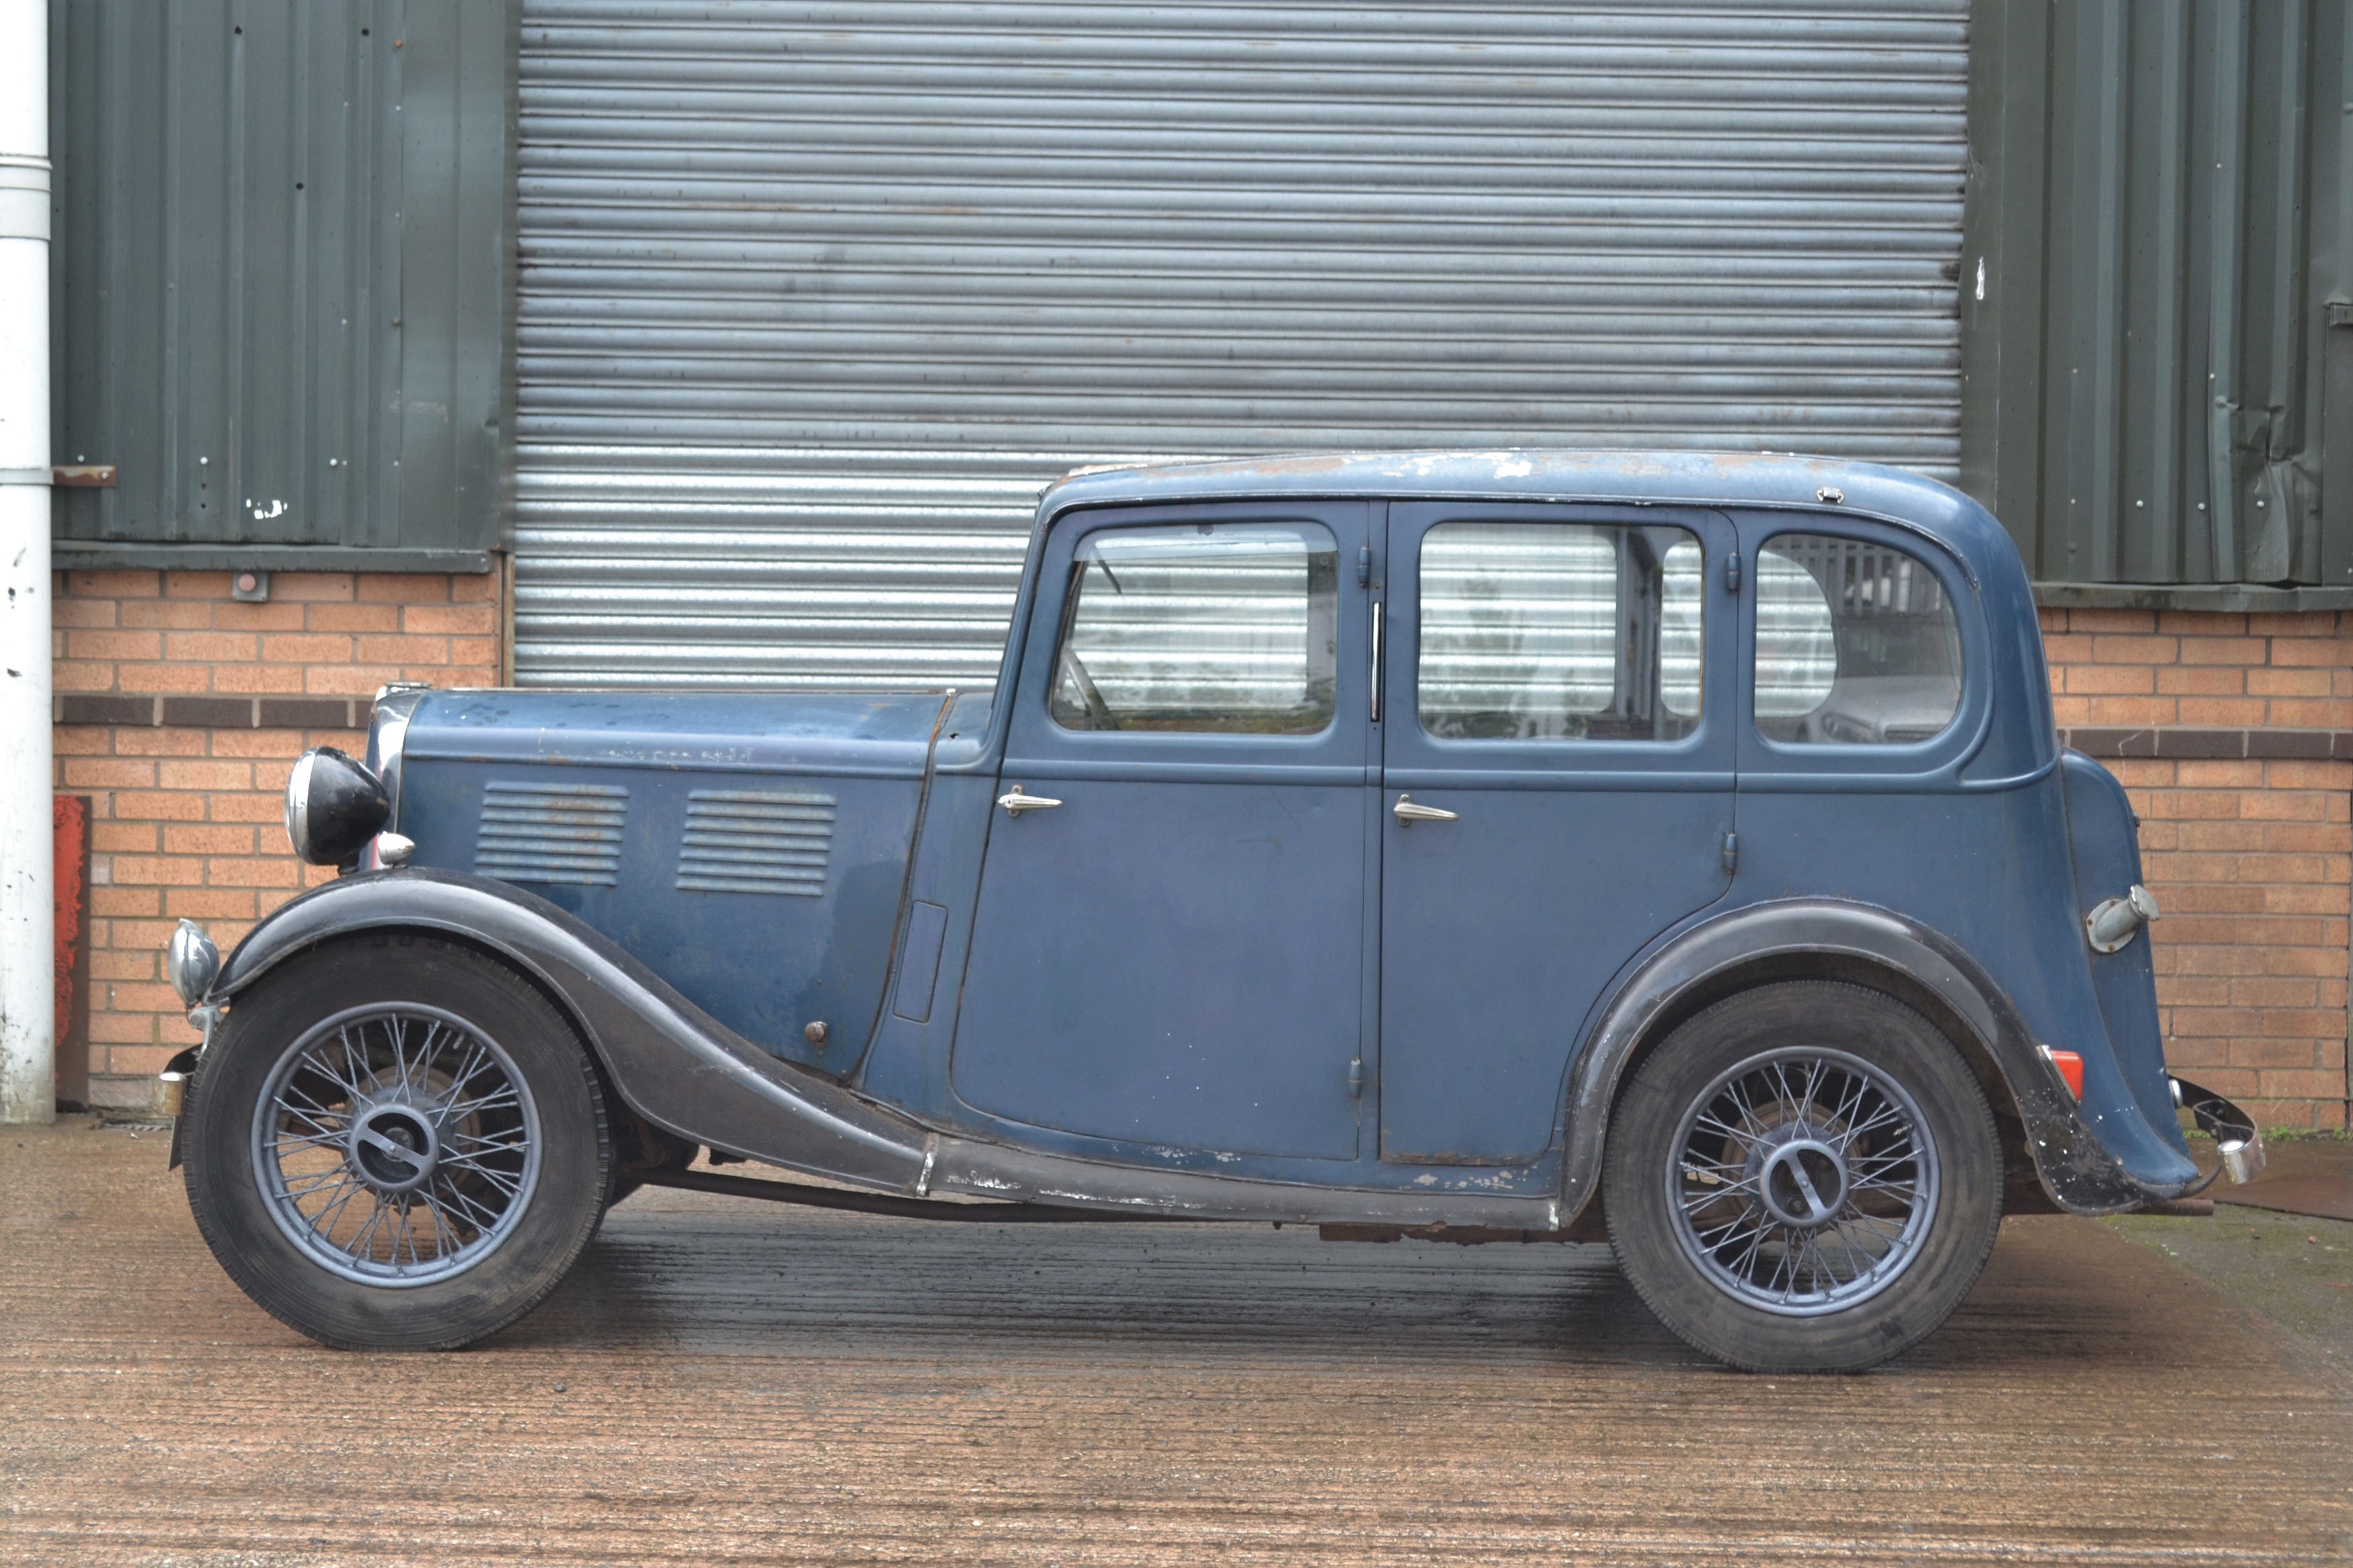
2307, 1176
725, 1382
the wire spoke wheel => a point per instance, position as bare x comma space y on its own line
1804, 1176
1802, 1181
396, 1144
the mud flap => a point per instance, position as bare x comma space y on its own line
175, 1079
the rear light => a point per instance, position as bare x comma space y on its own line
2071, 1068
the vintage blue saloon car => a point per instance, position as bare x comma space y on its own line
1527, 844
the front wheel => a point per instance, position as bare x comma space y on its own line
396, 1143
1805, 1177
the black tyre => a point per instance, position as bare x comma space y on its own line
1804, 1177
396, 1142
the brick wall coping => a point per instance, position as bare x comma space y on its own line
218, 712
117, 556
2229, 598
2202, 745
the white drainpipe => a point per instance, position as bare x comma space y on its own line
28, 856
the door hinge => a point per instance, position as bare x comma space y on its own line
1356, 1077
1363, 566
1731, 853
1732, 572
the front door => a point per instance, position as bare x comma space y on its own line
1556, 694
1169, 945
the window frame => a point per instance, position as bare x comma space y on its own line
1034, 741
1767, 764
1413, 758
1075, 594
1421, 713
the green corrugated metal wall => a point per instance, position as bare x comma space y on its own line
280, 279
2156, 233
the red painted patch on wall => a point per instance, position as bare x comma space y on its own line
70, 819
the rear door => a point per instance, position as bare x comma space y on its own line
1554, 685
1172, 953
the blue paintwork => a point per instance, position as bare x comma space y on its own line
765, 965
1178, 969
839, 734
2107, 857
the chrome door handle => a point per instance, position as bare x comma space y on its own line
1408, 814
1015, 802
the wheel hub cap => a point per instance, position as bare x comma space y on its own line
394, 1146
1803, 1181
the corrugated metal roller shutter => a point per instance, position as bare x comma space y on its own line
814, 298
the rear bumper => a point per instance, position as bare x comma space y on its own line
2237, 1140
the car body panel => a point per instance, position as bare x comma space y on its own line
1173, 962
1777, 939
2106, 852
669, 822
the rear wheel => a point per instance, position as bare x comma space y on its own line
396, 1143
1803, 1178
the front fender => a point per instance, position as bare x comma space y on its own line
673, 1063
1791, 938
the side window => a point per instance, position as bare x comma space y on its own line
1209, 628
1559, 632
1856, 645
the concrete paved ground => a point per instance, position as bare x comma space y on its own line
2294, 1268
726, 1381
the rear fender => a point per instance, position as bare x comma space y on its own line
1801, 937
672, 1063
2104, 843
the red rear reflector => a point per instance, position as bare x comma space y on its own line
2071, 1068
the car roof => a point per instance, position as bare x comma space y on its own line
1642, 477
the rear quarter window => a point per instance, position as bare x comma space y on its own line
1857, 645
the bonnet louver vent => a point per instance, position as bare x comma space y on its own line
552, 833
756, 841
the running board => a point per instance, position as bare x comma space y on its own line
883, 1203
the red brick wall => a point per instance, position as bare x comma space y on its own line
2250, 859
2149, 667
182, 711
